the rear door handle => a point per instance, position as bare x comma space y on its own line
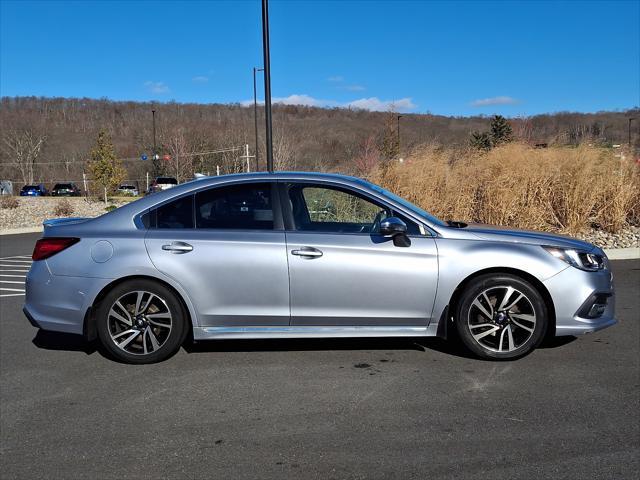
177, 247
309, 252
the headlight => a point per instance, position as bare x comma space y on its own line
591, 262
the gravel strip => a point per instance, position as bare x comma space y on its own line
32, 211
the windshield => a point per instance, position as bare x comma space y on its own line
63, 186
408, 205
167, 180
30, 187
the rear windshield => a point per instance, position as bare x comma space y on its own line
165, 180
31, 187
60, 186
127, 187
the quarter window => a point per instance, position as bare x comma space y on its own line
245, 206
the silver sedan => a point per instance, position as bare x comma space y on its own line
307, 255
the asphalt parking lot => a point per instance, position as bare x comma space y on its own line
381, 408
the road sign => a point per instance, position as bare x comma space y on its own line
144, 156
166, 157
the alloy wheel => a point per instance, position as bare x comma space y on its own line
501, 319
139, 322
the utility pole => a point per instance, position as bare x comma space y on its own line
630, 119
246, 157
155, 152
398, 133
255, 113
267, 83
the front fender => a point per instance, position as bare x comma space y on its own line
459, 259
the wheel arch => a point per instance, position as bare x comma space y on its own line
89, 327
536, 283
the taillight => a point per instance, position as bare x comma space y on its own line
47, 247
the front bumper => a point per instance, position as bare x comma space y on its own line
571, 290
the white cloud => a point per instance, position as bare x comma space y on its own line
376, 105
503, 100
156, 87
352, 88
305, 100
373, 104
200, 79
336, 78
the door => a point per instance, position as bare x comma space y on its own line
342, 272
225, 245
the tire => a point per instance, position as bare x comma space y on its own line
498, 328
148, 308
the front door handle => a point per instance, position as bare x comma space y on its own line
177, 247
308, 252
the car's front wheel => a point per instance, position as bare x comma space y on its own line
141, 321
501, 316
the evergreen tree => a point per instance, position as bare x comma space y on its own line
104, 167
481, 140
501, 131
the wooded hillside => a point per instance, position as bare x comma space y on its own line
49, 139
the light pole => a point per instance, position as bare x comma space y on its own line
630, 119
398, 132
255, 112
267, 82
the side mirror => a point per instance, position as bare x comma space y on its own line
392, 226
396, 228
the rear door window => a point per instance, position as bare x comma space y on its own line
176, 214
246, 206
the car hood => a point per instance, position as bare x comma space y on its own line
506, 234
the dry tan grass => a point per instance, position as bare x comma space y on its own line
563, 189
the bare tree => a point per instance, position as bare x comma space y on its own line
23, 146
368, 156
181, 159
283, 153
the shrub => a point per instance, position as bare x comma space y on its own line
110, 208
559, 189
63, 209
9, 202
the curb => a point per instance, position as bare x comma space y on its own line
17, 231
630, 253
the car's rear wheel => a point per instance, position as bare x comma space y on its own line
501, 316
141, 321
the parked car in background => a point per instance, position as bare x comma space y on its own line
33, 190
162, 183
65, 190
284, 255
128, 189
6, 187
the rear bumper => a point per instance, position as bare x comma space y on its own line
57, 302
571, 291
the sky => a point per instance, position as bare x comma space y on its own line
448, 58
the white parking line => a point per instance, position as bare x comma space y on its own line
15, 268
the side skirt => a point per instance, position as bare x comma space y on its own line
212, 333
